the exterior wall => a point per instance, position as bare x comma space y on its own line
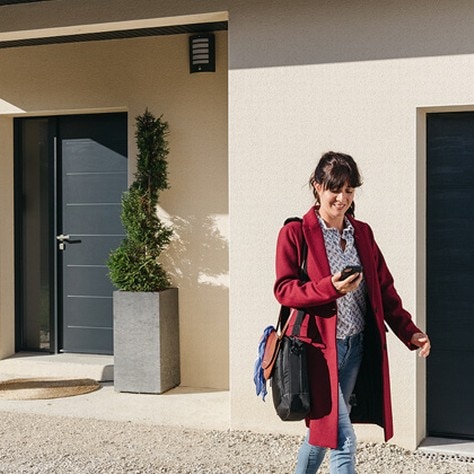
348, 77
131, 75
303, 78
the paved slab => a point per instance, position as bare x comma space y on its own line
34, 364
188, 407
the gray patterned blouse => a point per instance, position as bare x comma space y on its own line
351, 308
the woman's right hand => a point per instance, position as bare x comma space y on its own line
349, 284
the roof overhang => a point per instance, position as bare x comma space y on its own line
116, 30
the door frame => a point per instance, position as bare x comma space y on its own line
421, 251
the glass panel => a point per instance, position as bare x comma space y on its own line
36, 237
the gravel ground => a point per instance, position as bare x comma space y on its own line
46, 444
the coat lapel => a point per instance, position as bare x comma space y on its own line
366, 257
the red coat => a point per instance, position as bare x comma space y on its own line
318, 297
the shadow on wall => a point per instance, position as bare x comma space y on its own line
198, 262
199, 253
332, 32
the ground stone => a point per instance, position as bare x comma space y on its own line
37, 444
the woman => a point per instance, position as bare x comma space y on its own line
345, 321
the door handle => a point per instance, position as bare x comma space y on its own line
62, 237
67, 238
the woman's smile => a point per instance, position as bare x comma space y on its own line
340, 205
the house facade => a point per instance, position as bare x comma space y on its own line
388, 82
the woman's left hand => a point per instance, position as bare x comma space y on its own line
423, 341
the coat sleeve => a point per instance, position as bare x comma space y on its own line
398, 319
289, 290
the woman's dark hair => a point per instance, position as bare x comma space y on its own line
333, 171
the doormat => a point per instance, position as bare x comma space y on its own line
44, 388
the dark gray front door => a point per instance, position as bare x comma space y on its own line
450, 266
70, 173
93, 153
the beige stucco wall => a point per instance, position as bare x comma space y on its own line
131, 75
303, 78
348, 76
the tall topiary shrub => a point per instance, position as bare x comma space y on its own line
134, 265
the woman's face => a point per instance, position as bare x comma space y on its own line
334, 203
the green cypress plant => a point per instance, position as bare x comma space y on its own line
134, 265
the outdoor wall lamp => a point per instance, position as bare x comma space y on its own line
202, 53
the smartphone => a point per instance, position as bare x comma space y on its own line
350, 270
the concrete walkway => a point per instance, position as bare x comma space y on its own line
183, 406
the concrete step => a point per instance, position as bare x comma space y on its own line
448, 446
25, 364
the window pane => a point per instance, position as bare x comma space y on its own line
35, 238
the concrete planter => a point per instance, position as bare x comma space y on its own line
146, 341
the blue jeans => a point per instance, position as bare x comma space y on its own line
342, 461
